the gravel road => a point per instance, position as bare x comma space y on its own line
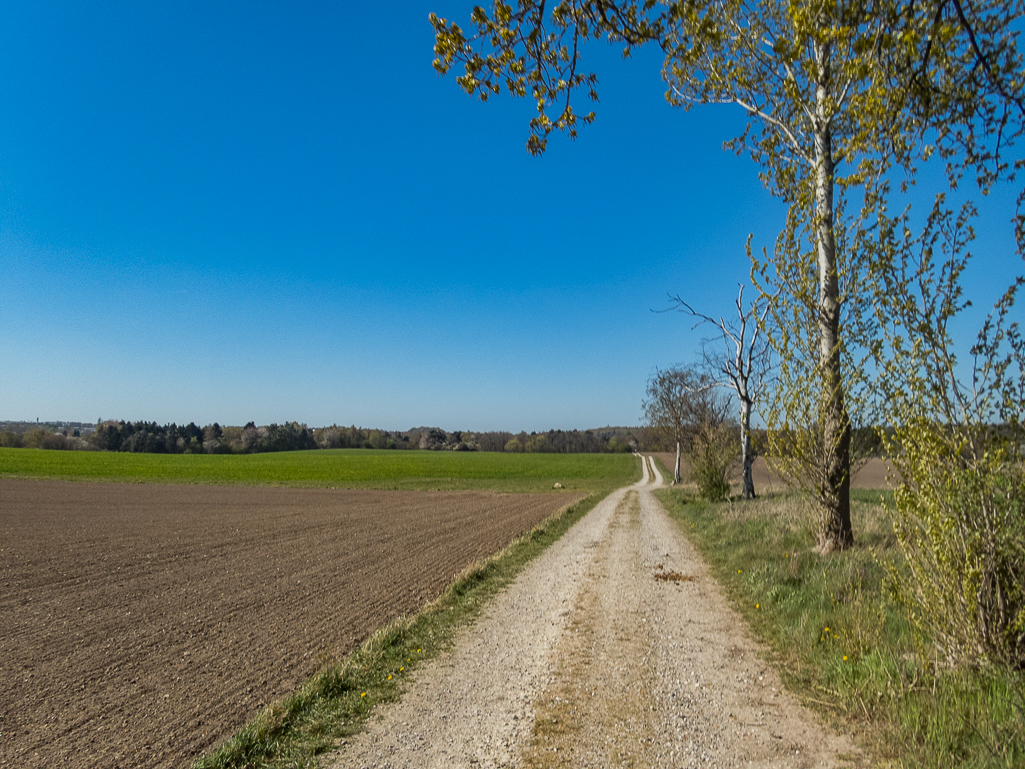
614, 648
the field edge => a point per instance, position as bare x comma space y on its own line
336, 702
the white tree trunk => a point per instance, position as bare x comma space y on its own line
746, 455
834, 488
676, 472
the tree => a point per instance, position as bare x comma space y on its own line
537, 443
804, 74
712, 445
250, 438
959, 66
107, 436
824, 122
956, 444
674, 405
826, 86
742, 367
212, 438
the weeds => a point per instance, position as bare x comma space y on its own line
841, 641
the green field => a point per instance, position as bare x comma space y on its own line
341, 468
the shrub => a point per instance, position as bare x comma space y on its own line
956, 442
960, 521
713, 451
10, 440
54, 441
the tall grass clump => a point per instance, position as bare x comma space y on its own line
842, 640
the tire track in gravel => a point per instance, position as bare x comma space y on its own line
588, 660
599, 709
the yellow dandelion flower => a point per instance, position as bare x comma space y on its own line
845, 658
740, 571
364, 694
401, 669
827, 630
758, 606
389, 676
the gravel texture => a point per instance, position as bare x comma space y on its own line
614, 648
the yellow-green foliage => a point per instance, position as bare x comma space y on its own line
960, 521
713, 451
956, 443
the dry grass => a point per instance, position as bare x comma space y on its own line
840, 641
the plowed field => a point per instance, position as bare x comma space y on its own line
871, 475
142, 624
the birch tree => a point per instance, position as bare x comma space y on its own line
802, 71
839, 93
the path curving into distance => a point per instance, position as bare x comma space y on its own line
589, 660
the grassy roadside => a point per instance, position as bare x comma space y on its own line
337, 468
335, 703
840, 642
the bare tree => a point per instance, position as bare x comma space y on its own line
674, 404
742, 363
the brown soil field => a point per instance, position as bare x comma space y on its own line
140, 625
872, 475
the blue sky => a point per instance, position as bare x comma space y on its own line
272, 212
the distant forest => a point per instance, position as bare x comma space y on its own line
151, 438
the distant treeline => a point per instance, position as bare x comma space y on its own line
151, 438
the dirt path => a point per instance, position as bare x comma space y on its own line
615, 648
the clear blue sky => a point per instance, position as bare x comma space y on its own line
242, 211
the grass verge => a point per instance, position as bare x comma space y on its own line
840, 642
335, 703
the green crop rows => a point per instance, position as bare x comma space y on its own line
342, 468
